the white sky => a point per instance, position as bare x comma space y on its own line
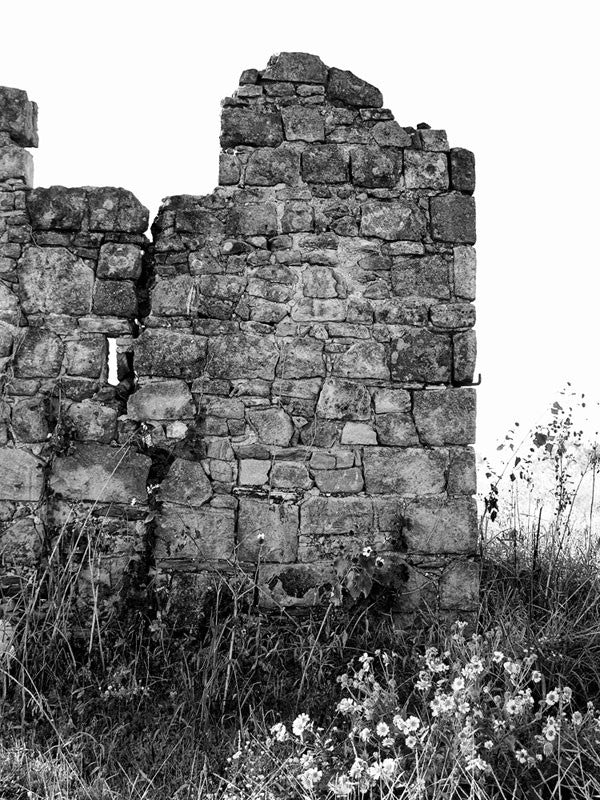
129, 95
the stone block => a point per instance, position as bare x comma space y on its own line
30, 420
326, 516
253, 471
324, 163
339, 481
253, 219
459, 586
396, 429
394, 219
57, 208
6, 340
115, 209
365, 359
39, 354
242, 356
312, 309
52, 280
445, 416
91, 421
169, 353
229, 169
100, 473
290, 475
407, 472
321, 282
86, 356
464, 357
453, 218
344, 400
194, 535
161, 400
186, 484
296, 67
420, 356
433, 140
294, 586
301, 357
423, 170
391, 401
21, 475
21, 543
16, 164
272, 425
427, 276
452, 315
372, 167
275, 292
268, 166
115, 298
120, 261
345, 87
462, 473
410, 310
267, 531
462, 170
18, 116
226, 407
245, 126
266, 311
297, 217
390, 134
10, 312
465, 268
358, 433
302, 123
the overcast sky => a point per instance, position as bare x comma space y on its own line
129, 95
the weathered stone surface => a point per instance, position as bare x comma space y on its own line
21, 542
301, 357
390, 134
253, 219
247, 126
339, 481
169, 353
290, 475
317, 309
98, 472
453, 218
296, 67
343, 86
90, 421
52, 280
406, 472
365, 359
303, 124
229, 169
462, 474
272, 425
194, 535
396, 429
358, 433
297, 217
423, 170
86, 356
445, 416
436, 525
112, 209
16, 164
227, 407
39, 354
459, 587
420, 356
372, 167
434, 140
320, 282
324, 163
119, 261
427, 276
9, 306
267, 531
56, 207
6, 339
186, 484
242, 356
453, 315
390, 401
161, 400
30, 420
115, 298
253, 471
21, 475
462, 170
465, 357
344, 400
465, 265
395, 219
267, 166
18, 116
325, 516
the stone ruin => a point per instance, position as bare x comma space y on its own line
295, 355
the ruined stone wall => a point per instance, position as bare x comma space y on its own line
295, 351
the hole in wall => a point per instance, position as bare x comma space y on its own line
113, 376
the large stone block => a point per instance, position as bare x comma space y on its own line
427, 276
250, 127
372, 167
389, 134
324, 163
16, 164
462, 170
18, 116
188, 535
462, 474
21, 475
267, 531
161, 400
98, 472
302, 123
186, 484
345, 87
272, 425
268, 166
86, 356
453, 218
115, 209
297, 217
120, 261
253, 219
423, 170
366, 360
57, 208
339, 481
52, 280
420, 356
465, 268
296, 67
452, 315
115, 298
396, 429
169, 353
459, 587
407, 472
344, 400
90, 421
325, 516
301, 357
242, 356
394, 219
21, 542
39, 354
445, 416
30, 420
9, 306
464, 357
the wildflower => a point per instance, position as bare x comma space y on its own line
379, 562
310, 777
488, 744
497, 656
536, 676
279, 731
357, 768
458, 684
341, 786
567, 694
399, 722
413, 724
260, 537
367, 551
550, 730
364, 734
577, 718
521, 756
374, 771
300, 724
552, 697
424, 682
382, 729
478, 763
410, 741
346, 705
388, 766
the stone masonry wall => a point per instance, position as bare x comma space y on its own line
295, 353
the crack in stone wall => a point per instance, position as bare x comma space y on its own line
303, 347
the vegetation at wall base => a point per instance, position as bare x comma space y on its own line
100, 700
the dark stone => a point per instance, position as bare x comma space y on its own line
56, 208
242, 356
53, 280
250, 127
39, 354
372, 167
295, 67
297, 216
112, 209
445, 417
303, 123
115, 298
343, 86
421, 356
462, 170
253, 219
120, 261
168, 353
269, 166
301, 357
18, 116
427, 276
453, 218
86, 356
325, 163
395, 219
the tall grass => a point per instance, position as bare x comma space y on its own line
106, 700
